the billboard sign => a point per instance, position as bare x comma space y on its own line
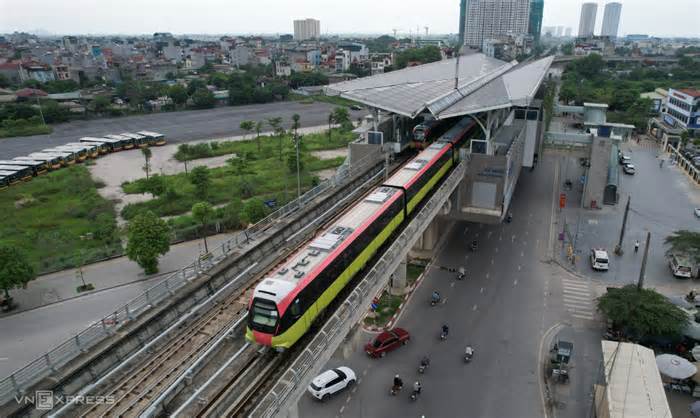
669, 120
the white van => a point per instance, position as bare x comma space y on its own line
680, 266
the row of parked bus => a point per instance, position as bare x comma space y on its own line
25, 168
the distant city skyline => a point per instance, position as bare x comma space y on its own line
276, 16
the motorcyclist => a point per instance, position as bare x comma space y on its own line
417, 387
425, 361
436, 296
398, 383
474, 245
445, 330
469, 351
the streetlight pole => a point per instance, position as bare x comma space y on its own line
618, 248
296, 145
640, 282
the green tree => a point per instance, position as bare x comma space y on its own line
148, 238
254, 210
247, 126
295, 123
567, 49
53, 112
202, 212
219, 80
685, 242
178, 93
15, 270
203, 99
331, 119
4, 81
276, 124
199, 177
231, 215
147, 154
423, 55
684, 137
342, 117
642, 312
258, 128
170, 75
194, 85
101, 104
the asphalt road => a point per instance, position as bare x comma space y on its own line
505, 308
662, 201
176, 126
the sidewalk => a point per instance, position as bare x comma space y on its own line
60, 286
662, 201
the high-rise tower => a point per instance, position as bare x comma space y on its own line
486, 19
535, 21
611, 19
587, 23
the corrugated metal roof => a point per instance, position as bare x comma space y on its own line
484, 83
634, 387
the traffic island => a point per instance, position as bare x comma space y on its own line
386, 307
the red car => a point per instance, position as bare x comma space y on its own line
387, 341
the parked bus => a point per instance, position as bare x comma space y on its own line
22, 173
80, 152
92, 149
53, 161
67, 157
11, 177
37, 167
127, 143
4, 180
154, 138
104, 145
140, 141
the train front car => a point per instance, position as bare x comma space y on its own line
288, 300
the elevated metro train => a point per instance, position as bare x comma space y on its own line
293, 294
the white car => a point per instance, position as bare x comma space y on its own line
697, 212
599, 259
628, 168
331, 382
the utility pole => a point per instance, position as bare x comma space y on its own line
618, 248
296, 145
640, 282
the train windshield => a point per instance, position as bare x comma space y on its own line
419, 132
264, 314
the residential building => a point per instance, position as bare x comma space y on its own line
508, 48
314, 57
684, 108
586, 23
11, 71
240, 55
307, 29
535, 21
282, 69
659, 99
488, 19
342, 60
39, 72
358, 52
462, 20
62, 72
611, 19
378, 61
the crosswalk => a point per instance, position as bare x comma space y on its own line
578, 299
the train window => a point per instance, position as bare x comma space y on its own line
296, 308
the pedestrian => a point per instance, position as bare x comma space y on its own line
636, 246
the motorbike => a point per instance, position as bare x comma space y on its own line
509, 218
468, 356
443, 335
473, 246
461, 274
395, 389
422, 367
434, 300
414, 395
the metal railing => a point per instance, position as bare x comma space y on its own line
49, 363
293, 383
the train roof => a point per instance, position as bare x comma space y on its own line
13, 168
286, 276
86, 145
28, 160
48, 155
57, 151
405, 174
96, 139
117, 137
6, 173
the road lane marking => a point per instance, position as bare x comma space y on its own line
474, 308
452, 284
512, 238
487, 275
588, 317
577, 298
354, 389
482, 290
515, 282
489, 235
522, 254
492, 261
348, 399
496, 249
444, 301
519, 267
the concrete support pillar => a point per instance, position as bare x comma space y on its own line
425, 245
397, 281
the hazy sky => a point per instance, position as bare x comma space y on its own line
656, 17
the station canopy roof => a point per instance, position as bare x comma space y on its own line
484, 83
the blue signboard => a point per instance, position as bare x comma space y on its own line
669, 120
271, 203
